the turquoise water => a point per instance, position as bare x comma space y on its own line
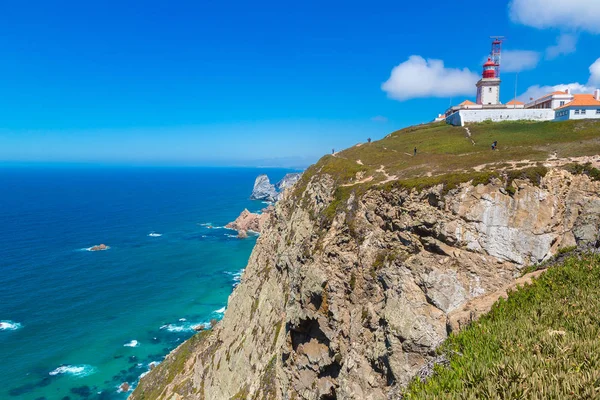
77, 324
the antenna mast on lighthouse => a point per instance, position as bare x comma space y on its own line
496, 53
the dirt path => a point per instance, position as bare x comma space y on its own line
551, 161
469, 135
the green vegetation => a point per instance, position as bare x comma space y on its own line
543, 342
268, 381
154, 384
585, 169
446, 155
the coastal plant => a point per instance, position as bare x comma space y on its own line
542, 342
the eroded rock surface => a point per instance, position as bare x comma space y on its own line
248, 221
263, 189
353, 305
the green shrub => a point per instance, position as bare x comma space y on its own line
543, 342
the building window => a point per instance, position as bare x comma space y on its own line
583, 111
598, 111
490, 90
562, 103
576, 112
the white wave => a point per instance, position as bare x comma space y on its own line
209, 225
177, 328
133, 343
153, 364
9, 325
220, 310
231, 236
143, 374
155, 234
182, 319
74, 370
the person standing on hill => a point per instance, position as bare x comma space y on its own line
415, 152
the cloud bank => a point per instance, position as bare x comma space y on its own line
420, 78
568, 15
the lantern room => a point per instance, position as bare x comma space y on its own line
489, 69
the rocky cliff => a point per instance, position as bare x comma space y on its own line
348, 297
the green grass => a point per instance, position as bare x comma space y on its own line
444, 148
447, 156
543, 342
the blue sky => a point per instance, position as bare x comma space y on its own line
267, 82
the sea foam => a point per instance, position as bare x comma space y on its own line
220, 310
9, 326
155, 234
133, 343
74, 370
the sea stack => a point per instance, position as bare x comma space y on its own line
263, 189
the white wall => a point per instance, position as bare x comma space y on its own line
454, 119
463, 117
590, 113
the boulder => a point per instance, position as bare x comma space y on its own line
99, 247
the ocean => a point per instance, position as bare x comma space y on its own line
76, 324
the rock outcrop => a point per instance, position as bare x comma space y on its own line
287, 181
99, 247
248, 221
263, 189
352, 303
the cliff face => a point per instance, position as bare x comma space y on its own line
353, 305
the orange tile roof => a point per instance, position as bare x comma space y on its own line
467, 103
558, 92
515, 102
582, 100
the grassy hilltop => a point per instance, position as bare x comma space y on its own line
451, 155
444, 149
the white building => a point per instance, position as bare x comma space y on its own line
488, 106
553, 106
552, 100
583, 106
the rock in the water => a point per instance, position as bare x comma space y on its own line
248, 221
124, 387
263, 189
99, 247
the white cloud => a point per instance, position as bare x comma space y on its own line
379, 118
565, 44
419, 78
571, 14
519, 60
538, 91
595, 73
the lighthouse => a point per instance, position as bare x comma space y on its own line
488, 87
